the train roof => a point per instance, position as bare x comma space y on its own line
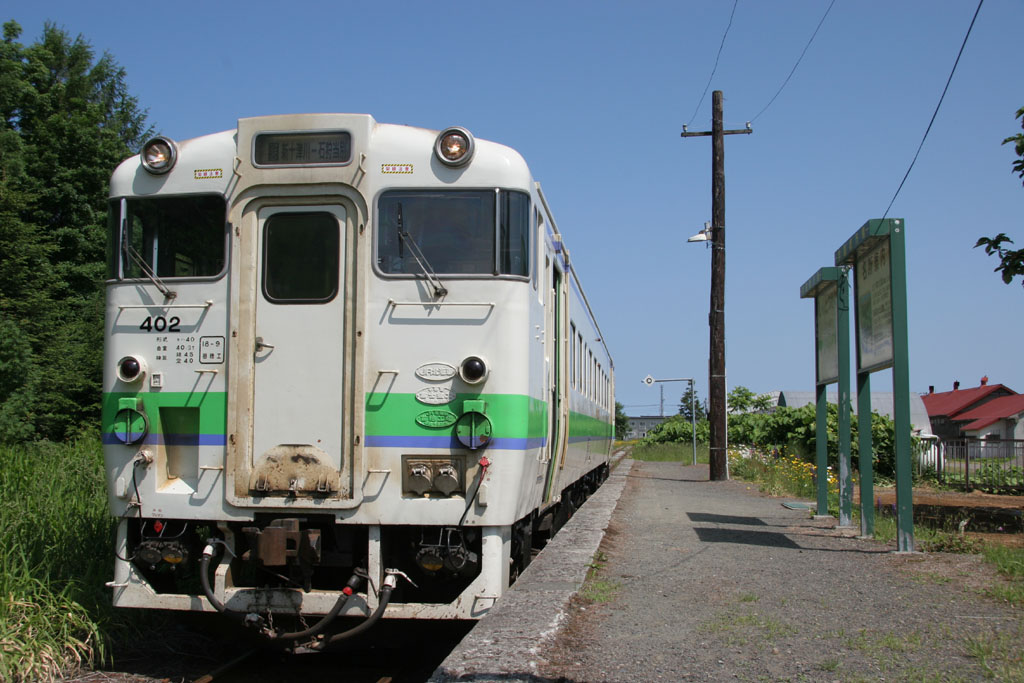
404, 155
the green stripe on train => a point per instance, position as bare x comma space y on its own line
392, 414
514, 416
212, 408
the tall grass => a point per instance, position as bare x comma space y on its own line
782, 476
670, 452
55, 544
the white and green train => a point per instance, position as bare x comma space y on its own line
349, 370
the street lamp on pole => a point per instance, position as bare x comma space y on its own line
649, 380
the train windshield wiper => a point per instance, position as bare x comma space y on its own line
417, 254
137, 259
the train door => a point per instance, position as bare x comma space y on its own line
554, 322
299, 354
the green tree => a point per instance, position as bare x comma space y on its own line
743, 400
1011, 261
685, 403
621, 421
68, 120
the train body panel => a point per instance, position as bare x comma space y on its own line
331, 350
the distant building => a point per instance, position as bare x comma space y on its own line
640, 426
1000, 418
987, 410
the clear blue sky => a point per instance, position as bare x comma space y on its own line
594, 94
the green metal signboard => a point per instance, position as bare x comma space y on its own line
877, 253
830, 288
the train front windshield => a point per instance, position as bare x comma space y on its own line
183, 236
479, 232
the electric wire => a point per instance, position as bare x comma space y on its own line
798, 60
715, 67
936, 112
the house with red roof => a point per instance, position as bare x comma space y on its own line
1000, 418
949, 411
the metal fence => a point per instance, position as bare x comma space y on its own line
995, 465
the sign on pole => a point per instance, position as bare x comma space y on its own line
829, 288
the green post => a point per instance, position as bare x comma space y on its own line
866, 459
843, 344
901, 389
821, 441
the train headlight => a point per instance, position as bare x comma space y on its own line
158, 155
473, 370
131, 369
454, 147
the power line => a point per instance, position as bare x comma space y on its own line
715, 67
936, 113
797, 62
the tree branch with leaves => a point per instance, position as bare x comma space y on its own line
1011, 261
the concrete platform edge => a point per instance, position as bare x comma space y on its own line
503, 645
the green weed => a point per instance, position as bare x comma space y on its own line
670, 452
830, 664
55, 535
595, 588
737, 628
999, 654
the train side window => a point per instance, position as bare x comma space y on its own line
579, 361
538, 222
572, 352
590, 371
514, 234
301, 257
541, 255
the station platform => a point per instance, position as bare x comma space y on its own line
701, 580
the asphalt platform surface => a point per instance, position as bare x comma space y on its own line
699, 580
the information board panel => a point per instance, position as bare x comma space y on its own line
826, 304
873, 275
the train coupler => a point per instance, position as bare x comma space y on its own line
283, 543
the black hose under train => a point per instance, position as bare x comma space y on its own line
385, 598
339, 605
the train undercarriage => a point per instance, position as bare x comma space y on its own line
279, 566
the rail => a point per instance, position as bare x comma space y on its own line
995, 465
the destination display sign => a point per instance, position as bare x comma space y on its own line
321, 148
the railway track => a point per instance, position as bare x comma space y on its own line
394, 652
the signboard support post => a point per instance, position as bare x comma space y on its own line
821, 441
866, 465
843, 333
901, 391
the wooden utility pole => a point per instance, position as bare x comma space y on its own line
719, 460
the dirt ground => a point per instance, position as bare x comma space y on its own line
927, 496
976, 509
